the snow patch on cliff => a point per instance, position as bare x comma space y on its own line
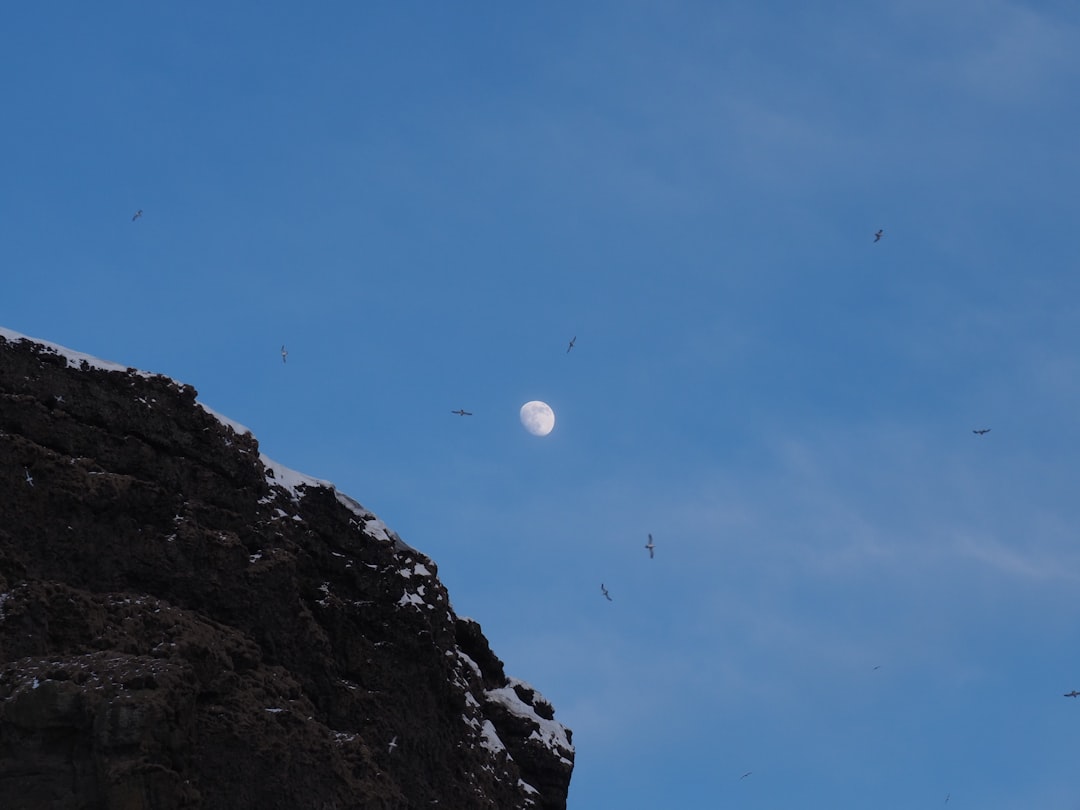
552, 734
74, 359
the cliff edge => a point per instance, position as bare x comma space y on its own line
185, 623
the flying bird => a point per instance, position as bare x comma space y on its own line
878, 666
572, 341
947, 795
393, 744
284, 353
603, 590
745, 775
982, 431
462, 412
879, 234
29, 478
137, 215
650, 546
1073, 693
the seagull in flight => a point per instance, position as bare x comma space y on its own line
650, 546
879, 234
1073, 693
982, 431
603, 590
393, 744
572, 341
284, 353
745, 775
462, 412
29, 478
137, 215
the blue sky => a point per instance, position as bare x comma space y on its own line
425, 202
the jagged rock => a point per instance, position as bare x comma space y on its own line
185, 623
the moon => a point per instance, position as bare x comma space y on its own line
537, 417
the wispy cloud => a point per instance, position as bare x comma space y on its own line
1058, 563
1010, 52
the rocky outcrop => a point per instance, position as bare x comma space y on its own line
186, 624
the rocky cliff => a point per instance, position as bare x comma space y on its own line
186, 624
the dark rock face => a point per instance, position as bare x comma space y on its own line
186, 624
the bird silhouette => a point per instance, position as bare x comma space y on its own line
137, 215
650, 546
29, 478
604, 591
1073, 693
462, 412
284, 353
572, 341
879, 234
393, 744
745, 775
981, 431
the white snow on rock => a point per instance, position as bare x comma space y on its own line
236, 427
550, 733
292, 481
465, 659
74, 359
410, 599
489, 738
